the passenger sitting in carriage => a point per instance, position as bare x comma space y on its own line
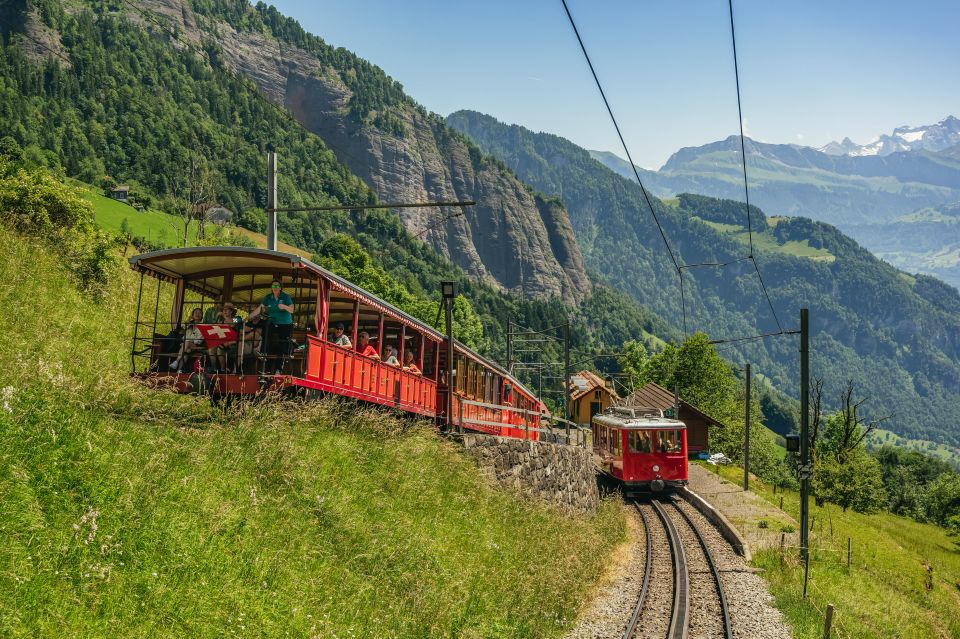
390, 356
340, 338
365, 348
408, 363
192, 339
218, 354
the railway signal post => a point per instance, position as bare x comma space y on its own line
805, 470
746, 437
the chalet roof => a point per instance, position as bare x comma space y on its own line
656, 396
122, 187
585, 382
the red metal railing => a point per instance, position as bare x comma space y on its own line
343, 370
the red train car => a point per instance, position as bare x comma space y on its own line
640, 448
306, 357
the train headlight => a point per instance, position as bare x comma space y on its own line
656, 468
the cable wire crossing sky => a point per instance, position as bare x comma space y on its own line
810, 72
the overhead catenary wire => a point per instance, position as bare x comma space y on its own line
743, 157
623, 143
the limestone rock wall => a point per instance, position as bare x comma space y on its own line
560, 475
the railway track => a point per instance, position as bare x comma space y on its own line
670, 604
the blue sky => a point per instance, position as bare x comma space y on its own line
811, 71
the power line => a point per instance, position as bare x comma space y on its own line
743, 157
646, 196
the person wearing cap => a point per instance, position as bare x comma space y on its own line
279, 309
340, 338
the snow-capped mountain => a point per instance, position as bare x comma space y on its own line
933, 137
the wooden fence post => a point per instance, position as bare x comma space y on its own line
828, 622
849, 551
783, 538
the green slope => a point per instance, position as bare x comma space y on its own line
884, 593
128, 512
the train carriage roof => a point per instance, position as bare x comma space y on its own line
637, 419
196, 261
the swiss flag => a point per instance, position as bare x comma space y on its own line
217, 334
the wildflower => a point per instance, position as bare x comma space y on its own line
88, 520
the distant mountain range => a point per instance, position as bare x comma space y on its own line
932, 137
871, 192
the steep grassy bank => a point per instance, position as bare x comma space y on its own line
126, 512
887, 592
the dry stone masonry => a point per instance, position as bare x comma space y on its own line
557, 474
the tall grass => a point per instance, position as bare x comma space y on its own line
126, 512
888, 590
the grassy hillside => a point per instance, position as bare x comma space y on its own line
885, 593
128, 512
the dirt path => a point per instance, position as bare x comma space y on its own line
745, 510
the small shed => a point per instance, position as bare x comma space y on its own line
589, 394
698, 422
120, 193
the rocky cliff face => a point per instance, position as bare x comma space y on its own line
512, 237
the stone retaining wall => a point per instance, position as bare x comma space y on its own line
557, 474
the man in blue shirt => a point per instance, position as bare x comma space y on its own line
279, 308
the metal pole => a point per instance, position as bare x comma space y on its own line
566, 370
448, 313
746, 438
509, 345
271, 201
804, 428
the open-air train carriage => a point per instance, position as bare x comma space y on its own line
641, 448
485, 397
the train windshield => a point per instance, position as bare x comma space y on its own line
669, 441
640, 441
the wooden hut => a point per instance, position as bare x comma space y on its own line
698, 422
589, 394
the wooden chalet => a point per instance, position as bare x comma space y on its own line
698, 422
589, 395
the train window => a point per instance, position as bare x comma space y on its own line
617, 443
340, 312
429, 359
668, 441
368, 321
392, 333
639, 441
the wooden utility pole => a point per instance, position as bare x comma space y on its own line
746, 437
271, 200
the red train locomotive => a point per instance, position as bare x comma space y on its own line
640, 448
336, 341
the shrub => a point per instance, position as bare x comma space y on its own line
35, 203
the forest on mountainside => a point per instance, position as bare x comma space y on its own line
125, 103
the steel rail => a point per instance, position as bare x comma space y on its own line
680, 613
727, 628
648, 567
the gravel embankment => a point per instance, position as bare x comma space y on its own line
751, 613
